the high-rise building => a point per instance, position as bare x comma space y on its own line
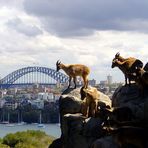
109, 79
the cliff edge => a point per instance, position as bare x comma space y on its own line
78, 131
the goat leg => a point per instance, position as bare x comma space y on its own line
125, 80
69, 82
74, 80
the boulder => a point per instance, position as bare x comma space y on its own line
77, 130
130, 96
107, 142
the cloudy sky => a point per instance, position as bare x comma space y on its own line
39, 32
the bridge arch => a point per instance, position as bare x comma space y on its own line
12, 77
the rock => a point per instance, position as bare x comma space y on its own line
146, 111
56, 143
92, 127
129, 96
107, 142
125, 95
77, 130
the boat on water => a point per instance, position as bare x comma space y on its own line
4, 122
10, 125
35, 123
41, 125
21, 123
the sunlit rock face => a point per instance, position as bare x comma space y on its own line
129, 106
77, 130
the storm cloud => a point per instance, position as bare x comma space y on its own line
23, 28
81, 17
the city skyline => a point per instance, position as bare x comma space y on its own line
38, 33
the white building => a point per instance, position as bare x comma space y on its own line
46, 96
38, 103
56, 97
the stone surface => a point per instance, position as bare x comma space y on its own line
130, 96
81, 132
107, 142
77, 130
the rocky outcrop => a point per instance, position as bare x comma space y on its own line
132, 98
77, 131
105, 142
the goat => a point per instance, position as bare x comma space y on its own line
128, 66
124, 67
90, 102
121, 59
74, 70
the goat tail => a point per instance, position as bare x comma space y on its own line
146, 67
138, 63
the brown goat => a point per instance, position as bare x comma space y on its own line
128, 66
73, 71
123, 66
90, 102
121, 59
132, 62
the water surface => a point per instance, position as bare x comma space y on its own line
49, 129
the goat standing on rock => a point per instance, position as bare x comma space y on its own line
74, 70
128, 66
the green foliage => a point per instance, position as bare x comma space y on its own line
4, 146
1, 140
28, 139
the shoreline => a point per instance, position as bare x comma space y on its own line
50, 129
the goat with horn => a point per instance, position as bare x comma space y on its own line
74, 70
128, 66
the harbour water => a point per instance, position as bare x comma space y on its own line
49, 129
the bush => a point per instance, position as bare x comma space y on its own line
28, 139
4, 146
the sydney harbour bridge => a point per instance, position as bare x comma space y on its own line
31, 75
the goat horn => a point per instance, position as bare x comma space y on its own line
117, 54
58, 62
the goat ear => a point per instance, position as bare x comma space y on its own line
90, 92
117, 54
